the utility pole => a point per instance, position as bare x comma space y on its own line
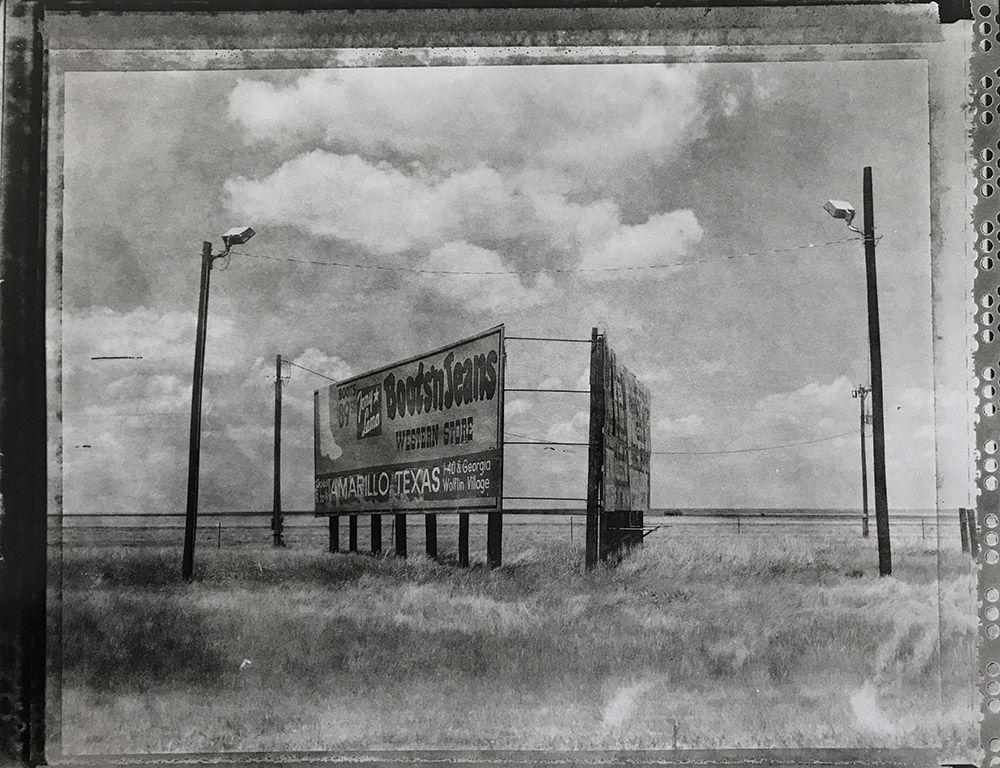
862, 392
235, 236
277, 521
194, 449
878, 419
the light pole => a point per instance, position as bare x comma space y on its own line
235, 236
277, 521
841, 210
862, 392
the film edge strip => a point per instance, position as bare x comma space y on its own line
985, 76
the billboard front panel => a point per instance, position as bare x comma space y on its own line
422, 434
626, 438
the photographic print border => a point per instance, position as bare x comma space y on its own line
30, 27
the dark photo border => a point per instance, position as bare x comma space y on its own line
109, 34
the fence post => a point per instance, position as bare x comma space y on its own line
463, 539
334, 533
218, 544
737, 525
494, 539
431, 534
970, 516
376, 534
400, 534
963, 527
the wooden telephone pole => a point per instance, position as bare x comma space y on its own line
875, 353
277, 521
861, 393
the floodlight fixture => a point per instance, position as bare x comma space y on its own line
842, 210
237, 236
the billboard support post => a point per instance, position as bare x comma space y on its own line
400, 523
430, 534
463, 539
595, 462
334, 533
494, 520
494, 539
376, 534
352, 533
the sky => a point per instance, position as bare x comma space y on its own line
706, 181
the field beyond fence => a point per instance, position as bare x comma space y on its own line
705, 638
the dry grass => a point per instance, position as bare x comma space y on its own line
752, 643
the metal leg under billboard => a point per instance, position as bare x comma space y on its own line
596, 449
494, 539
463, 539
400, 523
376, 534
431, 535
352, 533
334, 533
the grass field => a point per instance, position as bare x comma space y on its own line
769, 641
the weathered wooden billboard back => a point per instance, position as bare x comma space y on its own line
618, 468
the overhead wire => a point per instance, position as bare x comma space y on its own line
544, 270
754, 449
310, 370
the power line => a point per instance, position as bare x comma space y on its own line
550, 270
310, 370
755, 449
751, 450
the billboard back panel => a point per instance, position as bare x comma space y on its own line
425, 433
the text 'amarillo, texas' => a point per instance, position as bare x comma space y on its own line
421, 434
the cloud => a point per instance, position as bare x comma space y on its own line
683, 426
662, 239
490, 292
580, 120
515, 407
390, 212
572, 430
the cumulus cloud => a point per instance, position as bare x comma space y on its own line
579, 120
499, 291
682, 426
574, 429
388, 212
662, 239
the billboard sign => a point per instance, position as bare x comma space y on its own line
626, 438
618, 465
422, 434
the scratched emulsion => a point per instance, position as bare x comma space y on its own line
729, 693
